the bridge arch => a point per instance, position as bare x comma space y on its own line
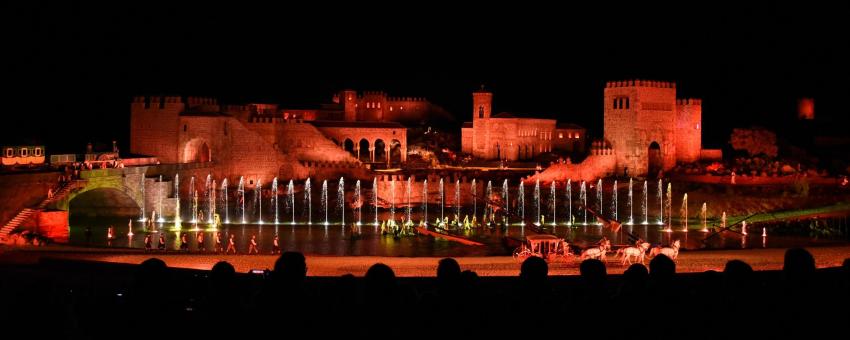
121, 186
105, 201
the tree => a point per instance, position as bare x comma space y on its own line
755, 141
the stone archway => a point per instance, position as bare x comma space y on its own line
348, 145
654, 159
395, 152
380, 152
197, 151
365, 154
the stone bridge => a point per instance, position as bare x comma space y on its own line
106, 192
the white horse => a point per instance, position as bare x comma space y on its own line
597, 252
639, 253
672, 251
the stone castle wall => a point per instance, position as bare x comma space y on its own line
154, 123
377, 106
688, 130
639, 114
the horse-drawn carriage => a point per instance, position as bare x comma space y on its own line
548, 247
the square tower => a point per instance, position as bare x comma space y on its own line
640, 125
482, 101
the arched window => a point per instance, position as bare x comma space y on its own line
481, 111
10, 152
184, 127
627, 102
24, 152
37, 152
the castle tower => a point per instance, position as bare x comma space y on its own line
806, 108
688, 129
372, 105
154, 126
348, 98
640, 121
482, 101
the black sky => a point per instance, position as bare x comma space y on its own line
70, 69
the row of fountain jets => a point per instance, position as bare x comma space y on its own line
289, 203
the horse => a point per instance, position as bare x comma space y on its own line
672, 252
597, 252
637, 252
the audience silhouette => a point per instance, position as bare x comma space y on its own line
799, 300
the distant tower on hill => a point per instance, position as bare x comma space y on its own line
806, 109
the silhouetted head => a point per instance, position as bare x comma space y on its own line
380, 280
448, 271
534, 270
152, 271
222, 270
662, 268
737, 275
290, 267
799, 264
636, 273
468, 277
593, 271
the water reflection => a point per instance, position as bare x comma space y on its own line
334, 240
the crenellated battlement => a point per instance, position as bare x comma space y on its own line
331, 164
641, 83
372, 93
156, 102
235, 108
264, 120
383, 94
195, 101
407, 99
689, 101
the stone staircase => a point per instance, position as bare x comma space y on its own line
21, 217
307, 143
27, 213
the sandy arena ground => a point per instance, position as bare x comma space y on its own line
691, 261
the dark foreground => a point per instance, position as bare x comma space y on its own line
56, 298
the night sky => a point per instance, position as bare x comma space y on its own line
69, 70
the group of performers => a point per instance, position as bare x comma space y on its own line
408, 227
219, 246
